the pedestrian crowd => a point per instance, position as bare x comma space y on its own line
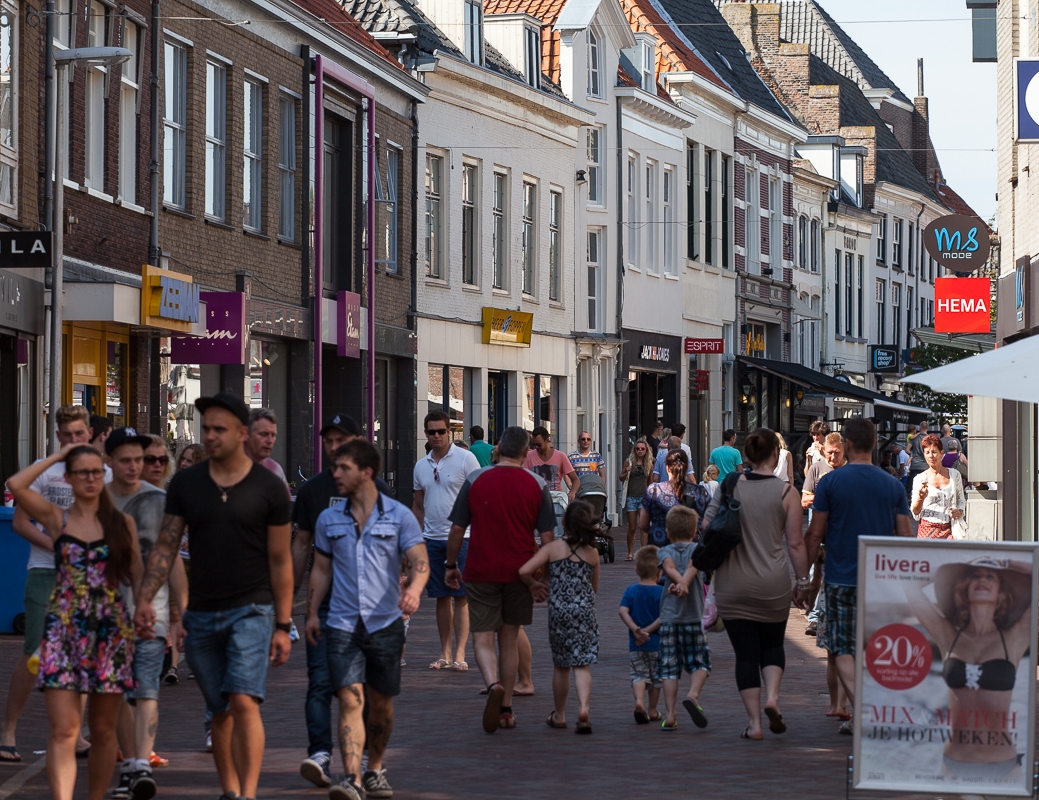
130, 569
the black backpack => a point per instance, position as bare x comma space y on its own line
724, 532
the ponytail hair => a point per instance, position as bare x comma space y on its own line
677, 465
580, 527
117, 534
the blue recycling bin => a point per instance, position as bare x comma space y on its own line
14, 557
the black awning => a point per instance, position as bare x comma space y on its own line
827, 384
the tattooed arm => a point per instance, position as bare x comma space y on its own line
418, 575
157, 572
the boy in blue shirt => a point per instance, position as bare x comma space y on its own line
640, 611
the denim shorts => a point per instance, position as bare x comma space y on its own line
370, 658
228, 651
148, 655
437, 550
632, 503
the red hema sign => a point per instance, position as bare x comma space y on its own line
961, 305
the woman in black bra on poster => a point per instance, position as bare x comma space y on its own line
980, 623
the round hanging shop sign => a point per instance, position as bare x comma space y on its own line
958, 243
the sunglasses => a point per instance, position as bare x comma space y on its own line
435, 431
88, 474
584, 439
150, 460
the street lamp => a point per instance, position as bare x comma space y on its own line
91, 57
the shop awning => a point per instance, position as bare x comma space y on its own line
975, 342
802, 309
1008, 372
884, 407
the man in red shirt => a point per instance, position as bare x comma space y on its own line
502, 505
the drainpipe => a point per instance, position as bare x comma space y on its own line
153, 167
48, 120
414, 217
621, 372
304, 216
323, 68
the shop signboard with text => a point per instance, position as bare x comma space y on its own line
226, 338
169, 300
958, 243
348, 322
962, 305
695, 346
883, 359
503, 326
945, 666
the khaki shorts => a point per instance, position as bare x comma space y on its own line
492, 605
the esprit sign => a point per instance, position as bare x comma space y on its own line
25, 249
958, 243
693, 346
168, 299
961, 305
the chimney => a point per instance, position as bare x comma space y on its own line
757, 26
923, 156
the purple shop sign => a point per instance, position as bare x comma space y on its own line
348, 321
225, 339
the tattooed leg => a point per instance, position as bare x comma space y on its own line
146, 722
351, 727
380, 726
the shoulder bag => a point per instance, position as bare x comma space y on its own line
724, 531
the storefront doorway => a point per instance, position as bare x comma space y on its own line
497, 405
652, 398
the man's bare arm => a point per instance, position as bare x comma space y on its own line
162, 556
24, 527
301, 547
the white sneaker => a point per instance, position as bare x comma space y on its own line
375, 784
315, 769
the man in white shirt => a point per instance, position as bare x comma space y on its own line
73, 428
438, 479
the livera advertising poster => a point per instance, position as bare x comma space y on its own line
945, 666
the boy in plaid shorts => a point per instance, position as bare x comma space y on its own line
683, 644
640, 611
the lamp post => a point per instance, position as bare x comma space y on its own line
88, 56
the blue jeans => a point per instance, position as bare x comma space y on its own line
318, 706
228, 651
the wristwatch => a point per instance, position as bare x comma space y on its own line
451, 566
284, 627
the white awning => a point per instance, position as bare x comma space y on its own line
802, 309
1010, 372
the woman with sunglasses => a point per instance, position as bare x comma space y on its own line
88, 638
158, 467
638, 466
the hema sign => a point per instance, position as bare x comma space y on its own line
961, 305
958, 243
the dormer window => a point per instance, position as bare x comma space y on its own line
852, 173
532, 56
474, 32
646, 58
594, 64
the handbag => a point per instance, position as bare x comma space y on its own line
723, 533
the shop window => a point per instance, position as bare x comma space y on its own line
541, 404
175, 116
287, 174
183, 387
96, 365
216, 138
129, 105
449, 392
115, 390
97, 83
252, 172
268, 387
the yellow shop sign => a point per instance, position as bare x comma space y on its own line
502, 326
169, 300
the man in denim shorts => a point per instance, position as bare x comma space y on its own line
859, 499
358, 547
240, 591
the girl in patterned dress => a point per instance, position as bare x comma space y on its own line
88, 639
573, 632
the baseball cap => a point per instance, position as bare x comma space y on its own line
343, 423
121, 436
226, 400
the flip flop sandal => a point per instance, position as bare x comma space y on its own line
656, 718
696, 712
550, 720
630, 558
492, 709
440, 663
523, 694
775, 720
506, 719
583, 728
843, 716
846, 729
746, 735
665, 727
641, 717
10, 754
460, 666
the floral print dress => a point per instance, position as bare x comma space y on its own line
573, 632
88, 639
658, 500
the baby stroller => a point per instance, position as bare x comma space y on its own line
593, 491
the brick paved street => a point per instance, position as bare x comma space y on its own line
440, 751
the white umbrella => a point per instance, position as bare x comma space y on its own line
1010, 372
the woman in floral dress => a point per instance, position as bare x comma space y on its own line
662, 497
88, 639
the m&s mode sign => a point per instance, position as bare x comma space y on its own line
961, 305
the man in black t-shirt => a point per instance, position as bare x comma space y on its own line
240, 588
317, 494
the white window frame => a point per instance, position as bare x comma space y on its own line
882, 240
632, 227
434, 193
555, 245
287, 167
649, 221
500, 231
896, 242
473, 31
881, 299
529, 236
817, 243
94, 133
216, 140
129, 103
668, 219
532, 56
647, 66
752, 223
593, 263
594, 150
593, 48
252, 152
896, 312
802, 243
174, 124
775, 225
9, 100
386, 194
470, 224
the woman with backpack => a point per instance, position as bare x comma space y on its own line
752, 585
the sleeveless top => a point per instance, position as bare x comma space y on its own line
753, 583
782, 471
